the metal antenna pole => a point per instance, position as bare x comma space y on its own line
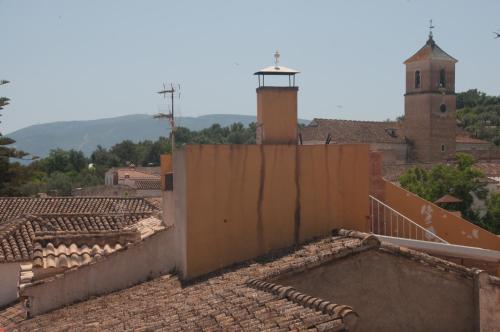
169, 116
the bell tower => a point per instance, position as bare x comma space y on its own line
430, 103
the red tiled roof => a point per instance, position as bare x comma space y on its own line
237, 298
430, 51
70, 249
348, 131
12, 207
226, 301
17, 236
149, 184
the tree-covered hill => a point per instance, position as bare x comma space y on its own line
479, 114
85, 136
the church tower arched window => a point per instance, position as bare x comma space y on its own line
442, 78
417, 79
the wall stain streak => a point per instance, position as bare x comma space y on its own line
262, 178
296, 233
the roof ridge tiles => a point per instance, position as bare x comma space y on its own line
337, 311
429, 260
350, 120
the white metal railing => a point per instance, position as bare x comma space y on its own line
389, 222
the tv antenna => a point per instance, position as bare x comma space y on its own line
170, 115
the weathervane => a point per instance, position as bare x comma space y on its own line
430, 28
276, 59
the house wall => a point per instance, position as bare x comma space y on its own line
446, 225
489, 302
391, 293
236, 202
139, 262
9, 278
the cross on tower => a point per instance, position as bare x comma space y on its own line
276, 59
430, 28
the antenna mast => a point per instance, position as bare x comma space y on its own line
170, 115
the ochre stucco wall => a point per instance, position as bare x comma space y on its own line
449, 227
277, 115
241, 201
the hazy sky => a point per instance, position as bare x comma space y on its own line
74, 60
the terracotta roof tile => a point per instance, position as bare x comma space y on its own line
242, 297
17, 236
148, 184
491, 169
430, 51
348, 131
226, 300
12, 207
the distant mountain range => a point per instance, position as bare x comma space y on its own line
87, 135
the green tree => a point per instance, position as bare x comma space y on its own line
491, 221
10, 174
461, 180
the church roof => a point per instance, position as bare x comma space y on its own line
348, 131
430, 51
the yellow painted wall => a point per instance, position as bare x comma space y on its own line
277, 115
446, 225
242, 201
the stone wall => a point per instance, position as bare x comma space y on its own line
392, 293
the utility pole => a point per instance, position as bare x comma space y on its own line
170, 115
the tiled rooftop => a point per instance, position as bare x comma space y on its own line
430, 51
70, 249
12, 207
489, 168
224, 301
239, 298
348, 131
17, 236
148, 184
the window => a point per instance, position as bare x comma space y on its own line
442, 147
442, 108
442, 78
417, 79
